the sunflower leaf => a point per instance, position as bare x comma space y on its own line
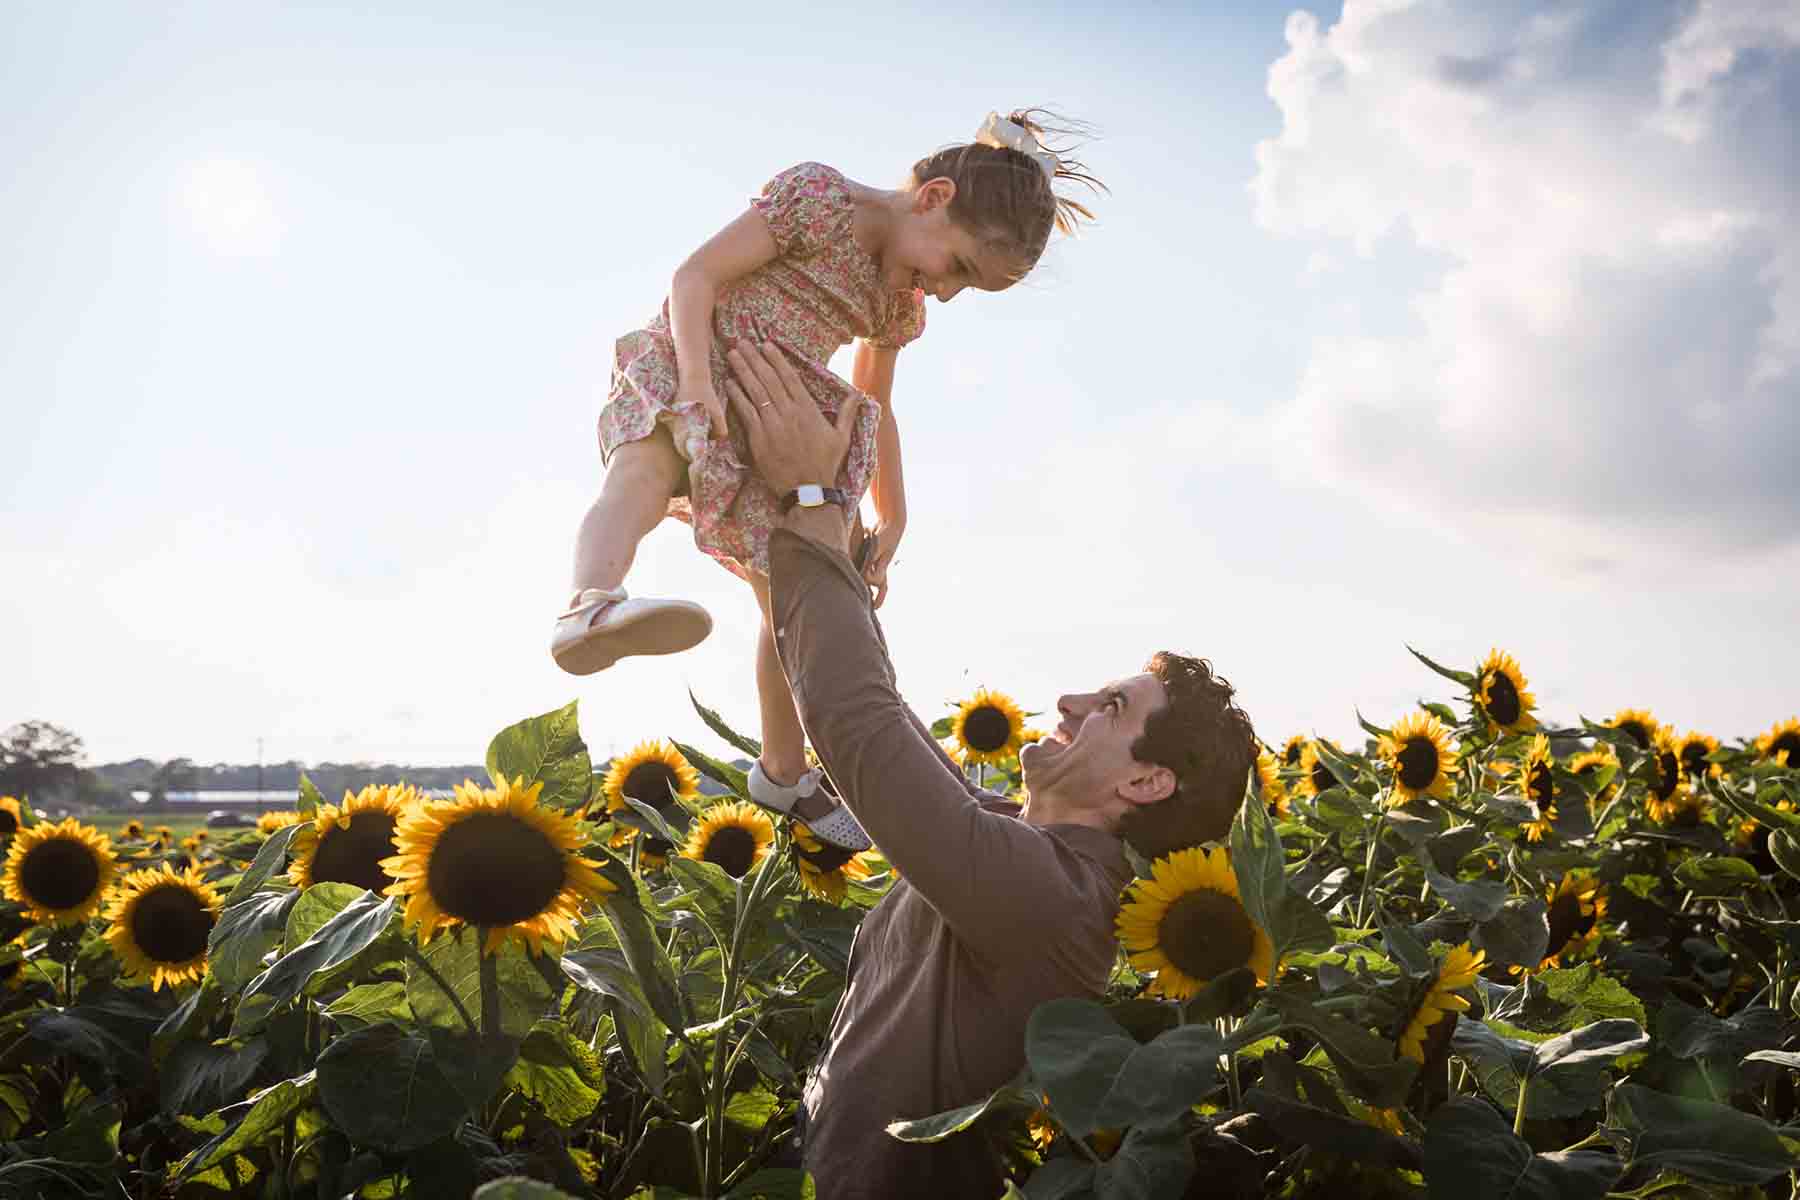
559, 1072
545, 749
1466, 678
1012, 1097
1600, 1042
253, 1122
716, 723
654, 821
1098, 1076
1476, 899
1708, 1141
268, 860
724, 774
648, 961
244, 933
1719, 876
1302, 1124
1519, 933
1470, 1154
348, 932
1291, 921
1364, 1062
309, 799
1372, 730
382, 1087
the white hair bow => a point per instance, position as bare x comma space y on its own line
999, 131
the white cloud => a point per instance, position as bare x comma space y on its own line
1611, 349
228, 204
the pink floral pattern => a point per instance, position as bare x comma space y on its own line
821, 292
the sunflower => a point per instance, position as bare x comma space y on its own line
1670, 800
1187, 924
201, 836
1577, 905
1315, 776
494, 858
1420, 753
1291, 750
1782, 742
1636, 722
1269, 785
1539, 785
735, 835
132, 829
1457, 971
191, 845
988, 729
1042, 1131
347, 844
1500, 687
59, 872
825, 869
163, 834
160, 921
1692, 751
12, 815
653, 854
652, 773
275, 822
1590, 761
1752, 838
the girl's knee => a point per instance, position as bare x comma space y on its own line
651, 460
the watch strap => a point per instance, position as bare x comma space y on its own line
831, 495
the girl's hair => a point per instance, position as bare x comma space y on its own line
1005, 196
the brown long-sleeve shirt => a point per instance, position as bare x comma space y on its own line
991, 917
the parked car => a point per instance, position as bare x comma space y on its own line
225, 818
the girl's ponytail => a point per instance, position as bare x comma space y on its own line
1006, 180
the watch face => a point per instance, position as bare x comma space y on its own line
810, 495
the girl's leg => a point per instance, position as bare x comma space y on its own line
640, 480
784, 742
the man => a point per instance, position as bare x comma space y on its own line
998, 908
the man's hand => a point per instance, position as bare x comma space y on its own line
791, 442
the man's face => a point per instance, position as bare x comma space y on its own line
1088, 757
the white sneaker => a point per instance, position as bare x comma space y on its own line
605, 625
839, 826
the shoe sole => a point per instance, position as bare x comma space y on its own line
667, 630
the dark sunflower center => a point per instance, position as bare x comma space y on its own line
1693, 758
1543, 786
8, 822
171, 925
1502, 698
1418, 762
649, 782
494, 869
1322, 777
657, 847
1638, 731
732, 847
830, 858
354, 855
1567, 920
59, 873
1206, 934
1668, 774
986, 729
1789, 741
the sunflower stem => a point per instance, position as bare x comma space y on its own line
490, 994
1362, 901
1233, 1088
1519, 1117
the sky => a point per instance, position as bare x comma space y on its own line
1445, 323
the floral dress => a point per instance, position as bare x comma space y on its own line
819, 293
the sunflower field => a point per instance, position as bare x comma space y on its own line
1473, 955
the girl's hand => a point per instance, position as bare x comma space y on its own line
881, 543
700, 393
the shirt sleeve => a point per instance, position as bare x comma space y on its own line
906, 321
804, 207
993, 878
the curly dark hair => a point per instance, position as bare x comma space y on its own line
1210, 745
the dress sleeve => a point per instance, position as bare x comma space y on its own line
804, 207
906, 321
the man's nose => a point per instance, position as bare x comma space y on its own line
1073, 706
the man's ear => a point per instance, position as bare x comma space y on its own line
934, 193
1148, 785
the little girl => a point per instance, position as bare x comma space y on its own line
816, 261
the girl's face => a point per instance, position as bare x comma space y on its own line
932, 252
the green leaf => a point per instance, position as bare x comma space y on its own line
244, 933
1586, 994
1012, 1097
753, 1109
443, 987
559, 1072
1153, 1162
309, 800
340, 939
707, 888
1442, 712
745, 745
1503, 1066
371, 1004
110, 1035
189, 1020
1476, 899
648, 961
519, 1187
1601, 1042
1308, 1125
253, 1122
1471, 1154
1519, 934
1717, 876
381, 1086
1098, 1076
1364, 1062
1291, 920
269, 859
775, 1183
1219, 997
1372, 730
200, 1076
1696, 1137
1784, 848
546, 749
1466, 678
719, 772
1688, 1032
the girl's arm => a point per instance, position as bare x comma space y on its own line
873, 374
729, 254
